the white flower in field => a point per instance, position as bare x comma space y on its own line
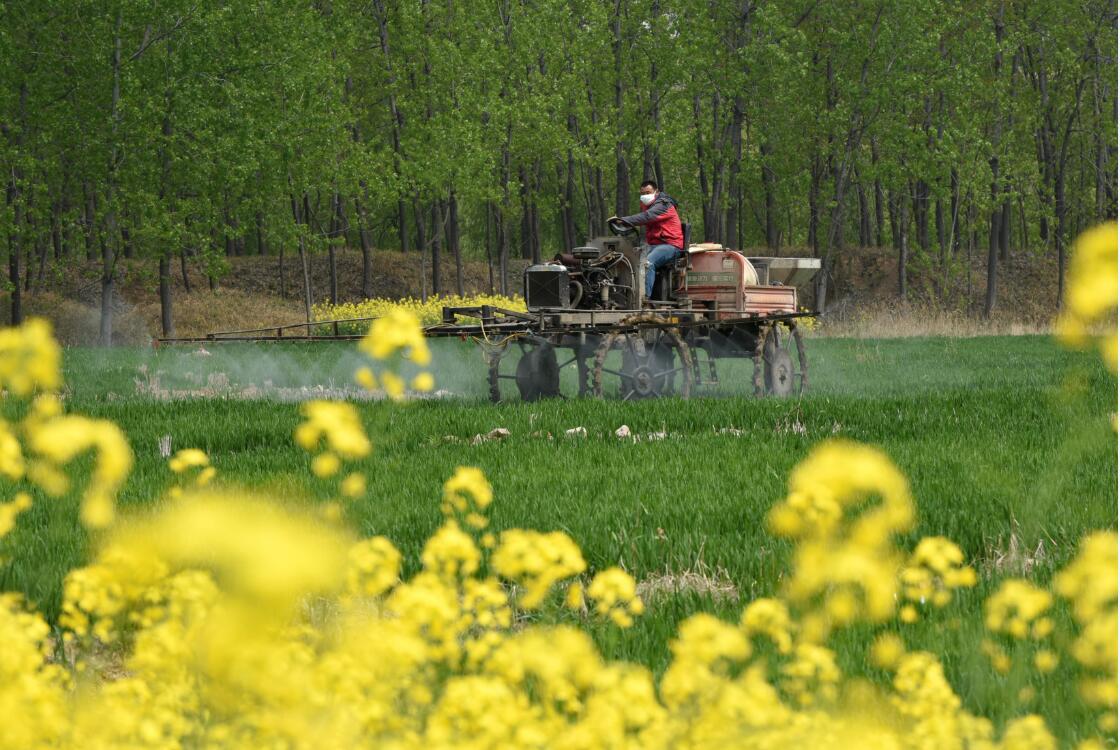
622, 432
165, 446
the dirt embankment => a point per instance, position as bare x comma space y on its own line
863, 298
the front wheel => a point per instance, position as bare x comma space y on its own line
780, 365
654, 362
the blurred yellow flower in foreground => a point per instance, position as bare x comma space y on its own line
11, 509
337, 424
397, 331
1091, 285
188, 458
615, 593
62, 439
29, 358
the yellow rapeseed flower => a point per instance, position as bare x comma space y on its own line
1015, 607
1045, 661
373, 567
397, 331
325, 465
450, 553
335, 422
188, 458
365, 378
770, 619
354, 485
615, 593
467, 495
12, 464
536, 562
60, 440
887, 651
30, 359
11, 509
423, 382
1091, 284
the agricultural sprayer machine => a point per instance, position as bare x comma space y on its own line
587, 315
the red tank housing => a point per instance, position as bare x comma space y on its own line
724, 280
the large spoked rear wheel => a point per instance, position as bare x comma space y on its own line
780, 366
530, 368
653, 362
526, 368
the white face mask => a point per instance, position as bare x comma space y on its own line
647, 199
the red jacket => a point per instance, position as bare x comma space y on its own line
663, 225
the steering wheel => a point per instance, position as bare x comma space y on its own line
620, 227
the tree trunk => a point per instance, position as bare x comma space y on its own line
526, 218
14, 198
228, 237
262, 241
903, 248
535, 215
56, 233
997, 212
1005, 230
299, 216
64, 210
437, 247
734, 235
31, 247
332, 256
489, 251
564, 214
395, 114
367, 248
89, 221
503, 253
954, 209
332, 271
165, 317
621, 168
1060, 229
283, 277
993, 261
939, 225
769, 186
879, 197
305, 263
126, 241
453, 240
921, 212
183, 270
108, 257
422, 244
15, 246
402, 225
814, 204
500, 215
864, 214
569, 206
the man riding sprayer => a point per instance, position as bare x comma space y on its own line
664, 236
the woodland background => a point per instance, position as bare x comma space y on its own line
185, 133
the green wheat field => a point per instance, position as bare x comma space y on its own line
1008, 442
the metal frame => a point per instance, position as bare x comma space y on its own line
588, 334
497, 320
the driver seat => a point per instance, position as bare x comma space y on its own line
666, 281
